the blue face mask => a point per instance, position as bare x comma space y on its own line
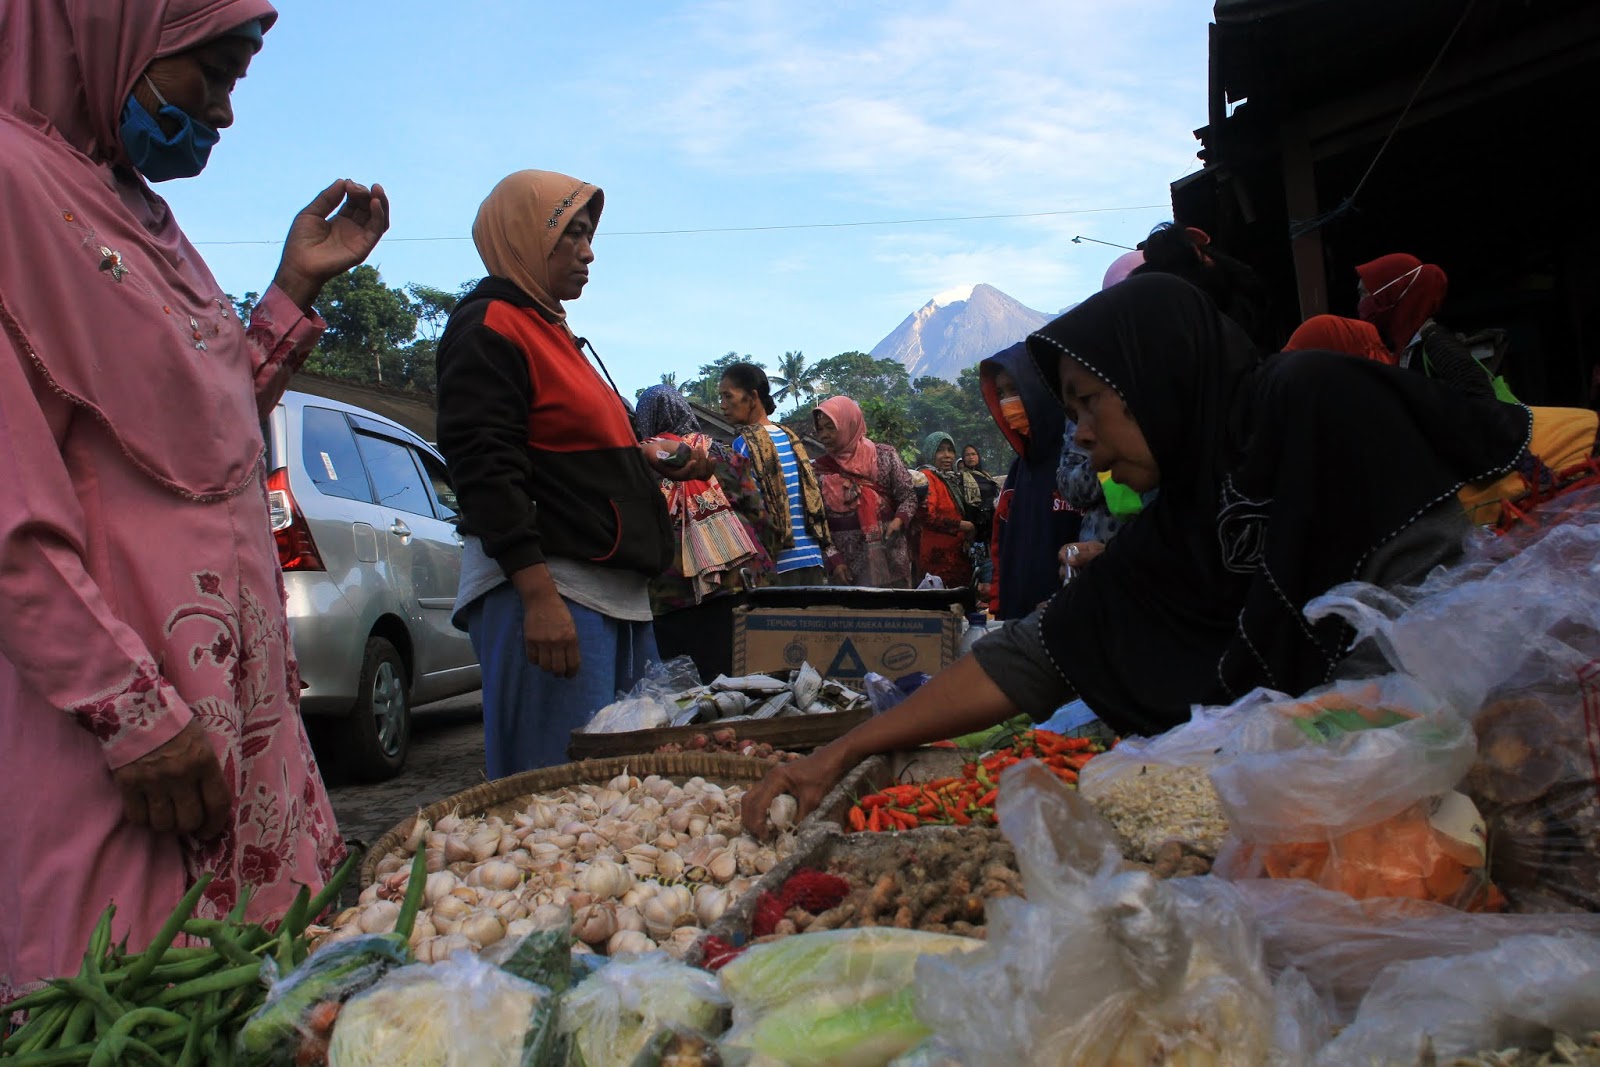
159, 157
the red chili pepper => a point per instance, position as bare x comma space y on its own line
876, 800
988, 799
858, 819
961, 818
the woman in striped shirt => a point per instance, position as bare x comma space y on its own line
783, 471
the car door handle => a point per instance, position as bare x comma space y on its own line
399, 529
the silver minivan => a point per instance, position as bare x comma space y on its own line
365, 521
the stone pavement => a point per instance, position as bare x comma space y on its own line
446, 757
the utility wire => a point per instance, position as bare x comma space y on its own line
790, 226
1298, 228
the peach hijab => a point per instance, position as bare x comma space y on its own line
520, 222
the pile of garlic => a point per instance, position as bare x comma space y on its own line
633, 865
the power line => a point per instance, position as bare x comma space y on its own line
789, 226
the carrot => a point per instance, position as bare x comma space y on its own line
858, 820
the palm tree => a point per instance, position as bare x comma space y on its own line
671, 378
794, 378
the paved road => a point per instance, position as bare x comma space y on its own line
446, 757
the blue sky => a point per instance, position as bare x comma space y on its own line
712, 115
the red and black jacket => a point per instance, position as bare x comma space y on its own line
542, 452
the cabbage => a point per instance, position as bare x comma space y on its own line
458, 1013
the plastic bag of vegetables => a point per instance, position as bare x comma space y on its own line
459, 1013
1101, 965
840, 998
616, 1013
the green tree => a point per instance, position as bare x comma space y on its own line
888, 424
704, 387
243, 306
794, 379
859, 376
369, 324
432, 307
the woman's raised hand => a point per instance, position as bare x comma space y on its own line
324, 243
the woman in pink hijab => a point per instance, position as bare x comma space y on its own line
149, 724
871, 503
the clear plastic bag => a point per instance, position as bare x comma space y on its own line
1514, 643
296, 1018
1342, 945
1352, 788
1518, 994
617, 1012
653, 701
1099, 966
459, 1013
839, 998
1157, 789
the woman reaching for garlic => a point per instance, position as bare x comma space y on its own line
1201, 600
634, 865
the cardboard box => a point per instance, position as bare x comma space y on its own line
845, 643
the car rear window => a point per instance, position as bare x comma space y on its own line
331, 457
395, 475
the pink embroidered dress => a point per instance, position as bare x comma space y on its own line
139, 585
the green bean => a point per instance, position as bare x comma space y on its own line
330, 892
78, 1023
97, 995
54, 1057
41, 1030
120, 1037
99, 940
221, 982
164, 937
413, 898
294, 920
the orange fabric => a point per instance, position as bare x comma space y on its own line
1402, 293
574, 409
942, 549
1335, 333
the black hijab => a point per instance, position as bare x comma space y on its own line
1278, 482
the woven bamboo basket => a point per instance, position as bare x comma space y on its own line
506, 795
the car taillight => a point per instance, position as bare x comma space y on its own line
296, 550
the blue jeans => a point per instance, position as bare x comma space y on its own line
529, 714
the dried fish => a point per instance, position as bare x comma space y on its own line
774, 706
806, 685
750, 683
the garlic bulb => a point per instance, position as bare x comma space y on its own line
669, 866
483, 928
422, 929
709, 904
483, 843
378, 917
521, 928
630, 919
594, 923
546, 916
667, 910
369, 894
439, 885
439, 949
606, 879
495, 874
681, 941
624, 942
724, 865
420, 828
449, 824
782, 811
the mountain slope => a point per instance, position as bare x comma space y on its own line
956, 329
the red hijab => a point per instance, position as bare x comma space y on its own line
1335, 333
1402, 292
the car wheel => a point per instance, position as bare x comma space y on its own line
375, 736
